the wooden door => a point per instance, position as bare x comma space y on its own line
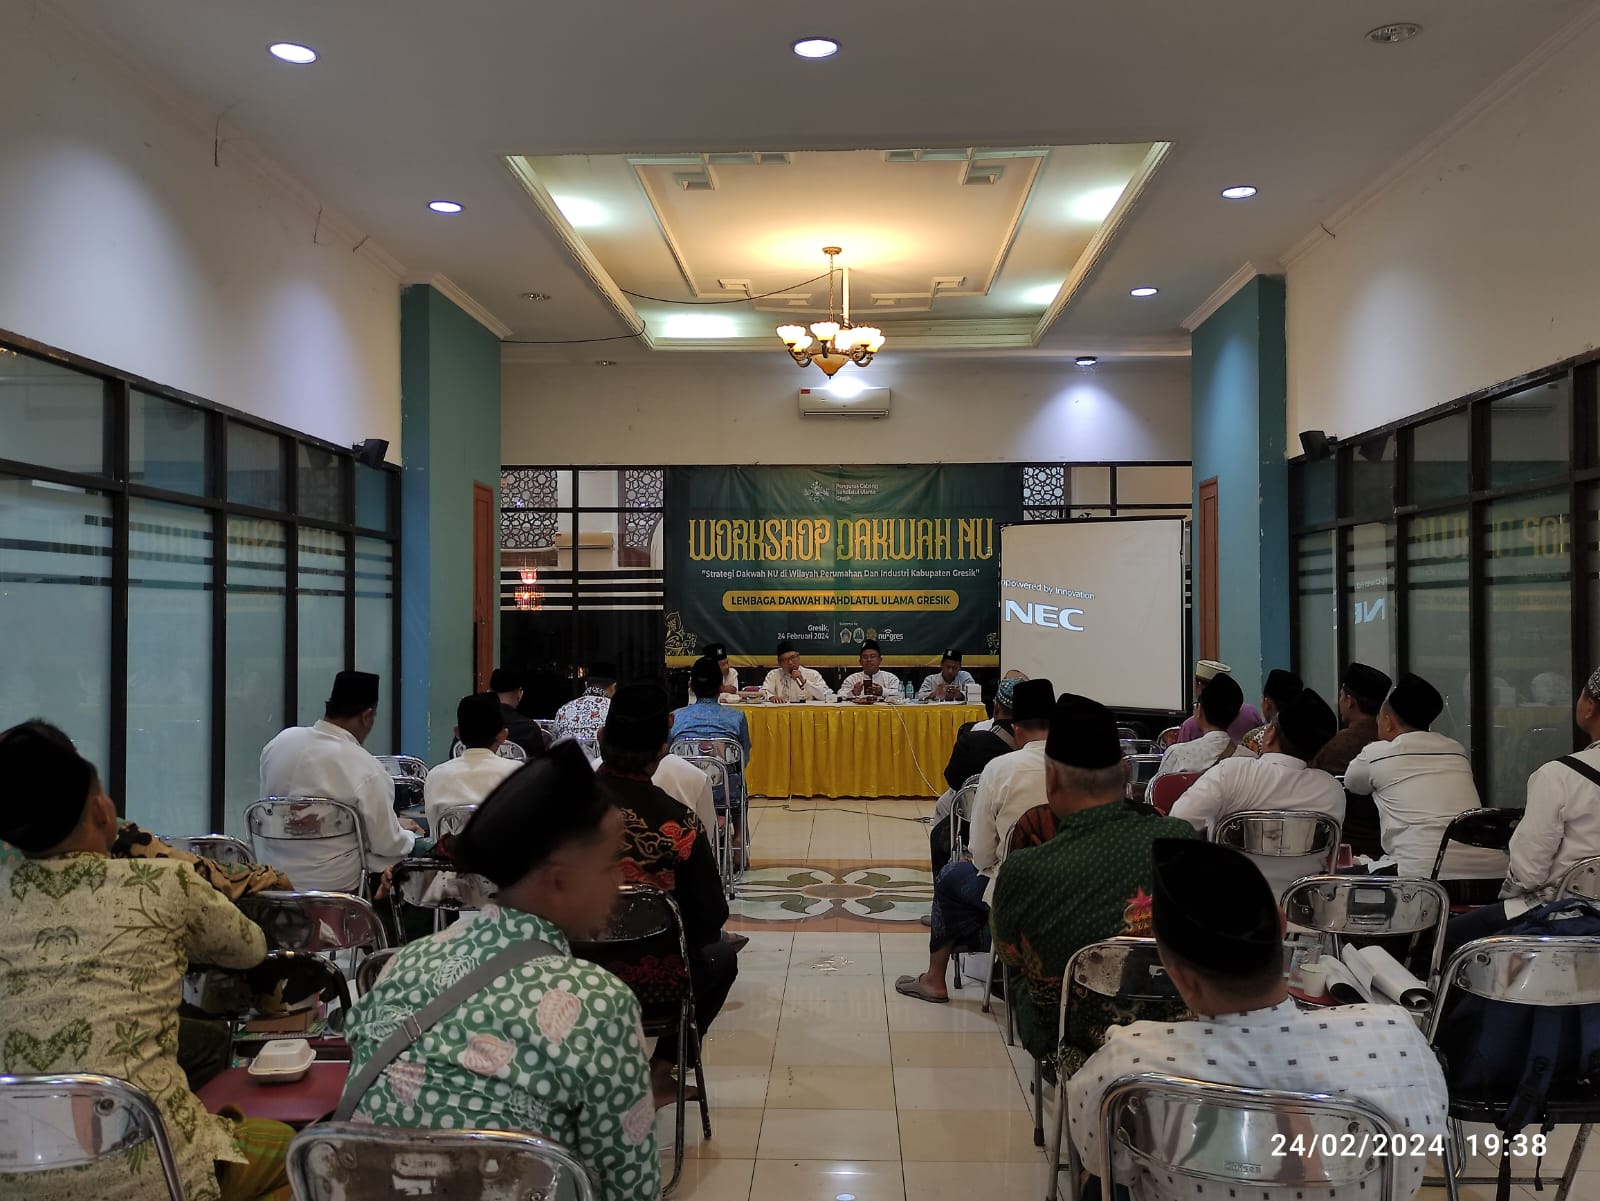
484, 590
1205, 568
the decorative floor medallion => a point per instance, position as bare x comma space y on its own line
870, 892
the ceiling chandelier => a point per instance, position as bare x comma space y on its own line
834, 342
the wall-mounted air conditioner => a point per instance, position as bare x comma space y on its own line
867, 402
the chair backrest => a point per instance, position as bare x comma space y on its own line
644, 932
506, 750
435, 884
1582, 879
715, 769
726, 749
1144, 770
284, 980
372, 967
70, 1120
1360, 908
1128, 970
1166, 738
296, 819
220, 848
961, 814
1275, 833
1524, 969
453, 819
1164, 791
1034, 828
1490, 829
1197, 1132
318, 923
404, 767
346, 1161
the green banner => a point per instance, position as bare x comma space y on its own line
827, 557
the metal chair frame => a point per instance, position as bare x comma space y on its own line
1363, 907
1484, 827
226, 849
1224, 1124
1582, 879
996, 965
716, 771
961, 811
325, 1162
731, 754
1157, 786
644, 896
1246, 831
404, 767
453, 819
229, 995
403, 882
1526, 970
506, 750
1166, 738
267, 808
372, 967
114, 1104
351, 921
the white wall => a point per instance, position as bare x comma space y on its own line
743, 408
120, 241
1482, 262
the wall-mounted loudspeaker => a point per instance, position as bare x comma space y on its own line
370, 452
1316, 444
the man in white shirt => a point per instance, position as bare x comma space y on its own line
479, 770
1279, 780
1419, 780
871, 683
950, 684
687, 784
1215, 709
730, 678
789, 683
327, 760
1220, 936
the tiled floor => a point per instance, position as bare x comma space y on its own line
826, 1085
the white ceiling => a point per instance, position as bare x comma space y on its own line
414, 100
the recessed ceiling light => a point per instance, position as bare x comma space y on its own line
1044, 294
580, 213
816, 47
1241, 191
293, 52
1145, 291
1096, 205
536, 296
699, 325
444, 206
605, 362
1086, 360
1396, 31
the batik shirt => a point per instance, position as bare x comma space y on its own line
1091, 881
581, 718
93, 952
552, 1047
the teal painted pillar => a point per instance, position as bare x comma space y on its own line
450, 430
1239, 377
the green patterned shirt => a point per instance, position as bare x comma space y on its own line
553, 1048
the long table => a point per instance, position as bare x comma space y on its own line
845, 750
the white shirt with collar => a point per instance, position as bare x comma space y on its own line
1009, 786
1201, 754
1374, 1053
1419, 780
1560, 827
687, 784
464, 781
1274, 781
888, 681
809, 687
730, 679
325, 760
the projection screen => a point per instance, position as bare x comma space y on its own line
1097, 607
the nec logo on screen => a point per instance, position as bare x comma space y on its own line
1049, 616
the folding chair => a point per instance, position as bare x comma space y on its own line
1523, 970
453, 819
716, 771
1034, 828
1163, 791
220, 848
1194, 1132
1145, 768
350, 1161
1166, 738
1489, 829
960, 825
731, 754
437, 886
282, 983
1284, 843
644, 924
372, 967
1360, 909
1582, 879
506, 750
277, 820
1126, 970
318, 923
410, 774
71, 1120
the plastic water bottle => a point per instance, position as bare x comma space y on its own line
906, 692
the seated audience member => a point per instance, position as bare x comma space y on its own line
950, 684
1241, 725
791, 683
705, 716
977, 743
1360, 695
96, 949
552, 1045
479, 770
328, 760
1419, 780
582, 717
1009, 786
728, 677
1220, 935
871, 682
670, 849
506, 684
1279, 779
1215, 711
1560, 827
1281, 688
1091, 881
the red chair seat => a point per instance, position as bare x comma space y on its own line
1166, 790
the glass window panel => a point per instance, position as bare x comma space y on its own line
55, 609
600, 489
1369, 592
1090, 485
1438, 604
1313, 494
320, 600
1439, 459
257, 599
1530, 434
319, 483
166, 444
372, 497
1527, 547
255, 467
1154, 485
51, 415
1370, 464
375, 632
1317, 616
168, 788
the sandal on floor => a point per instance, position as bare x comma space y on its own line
912, 986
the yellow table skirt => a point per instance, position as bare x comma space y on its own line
846, 750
